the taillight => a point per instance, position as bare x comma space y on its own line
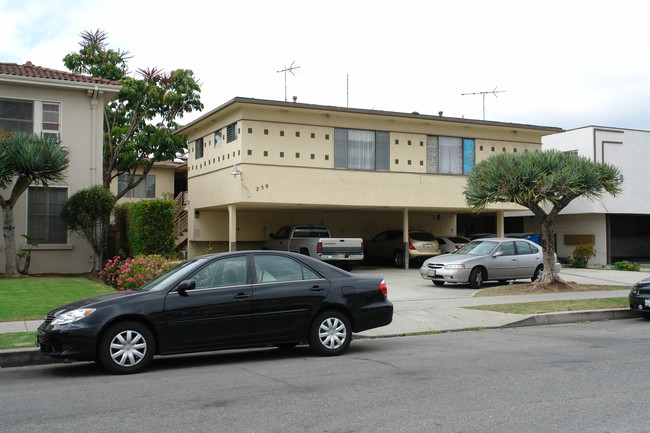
383, 287
319, 247
411, 247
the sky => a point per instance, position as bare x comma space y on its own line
565, 64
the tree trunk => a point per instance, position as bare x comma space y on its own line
547, 243
8, 230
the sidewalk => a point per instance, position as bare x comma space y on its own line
421, 306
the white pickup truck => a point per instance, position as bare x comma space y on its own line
315, 241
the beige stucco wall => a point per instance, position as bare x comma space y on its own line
285, 154
81, 132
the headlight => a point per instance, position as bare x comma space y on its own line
634, 290
72, 316
454, 266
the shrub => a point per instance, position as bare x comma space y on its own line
627, 266
151, 227
122, 228
581, 255
132, 273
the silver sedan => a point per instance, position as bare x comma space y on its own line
490, 259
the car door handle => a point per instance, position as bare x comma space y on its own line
316, 289
242, 296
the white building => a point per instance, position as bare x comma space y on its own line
619, 227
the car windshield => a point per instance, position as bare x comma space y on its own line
477, 248
165, 280
422, 236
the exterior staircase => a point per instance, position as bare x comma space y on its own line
181, 218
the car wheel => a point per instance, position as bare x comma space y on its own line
126, 347
646, 316
538, 273
476, 278
398, 258
330, 333
439, 283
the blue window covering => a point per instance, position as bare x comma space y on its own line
469, 155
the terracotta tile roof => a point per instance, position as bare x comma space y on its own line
29, 70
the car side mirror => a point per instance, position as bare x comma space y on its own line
186, 285
497, 254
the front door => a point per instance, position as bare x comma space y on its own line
218, 311
504, 262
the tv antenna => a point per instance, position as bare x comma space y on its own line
494, 92
289, 69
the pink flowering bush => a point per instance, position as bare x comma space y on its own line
132, 273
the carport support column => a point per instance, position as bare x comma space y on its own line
405, 237
232, 227
500, 224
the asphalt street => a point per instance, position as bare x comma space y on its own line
585, 377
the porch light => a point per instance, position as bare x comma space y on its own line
236, 171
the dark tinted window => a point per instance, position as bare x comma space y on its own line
270, 268
525, 248
422, 236
230, 271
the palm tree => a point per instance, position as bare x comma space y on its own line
26, 160
545, 183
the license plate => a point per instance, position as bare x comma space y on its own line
647, 303
431, 272
334, 256
427, 246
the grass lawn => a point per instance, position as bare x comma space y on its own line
32, 298
17, 340
531, 289
553, 306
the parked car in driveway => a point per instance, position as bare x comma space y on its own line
640, 298
221, 301
489, 259
389, 245
450, 244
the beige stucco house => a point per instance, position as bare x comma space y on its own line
255, 165
71, 106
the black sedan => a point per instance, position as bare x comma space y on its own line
221, 301
640, 298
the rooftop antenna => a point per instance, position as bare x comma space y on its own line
494, 92
290, 69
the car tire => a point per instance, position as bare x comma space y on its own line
330, 333
126, 347
538, 273
398, 258
439, 283
646, 316
476, 278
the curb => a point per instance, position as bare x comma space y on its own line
31, 356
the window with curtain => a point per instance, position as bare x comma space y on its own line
44, 222
361, 150
450, 155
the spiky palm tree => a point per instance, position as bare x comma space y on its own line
26, 160
545, 183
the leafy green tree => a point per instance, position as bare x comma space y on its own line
88, 213
545, 183
141, 120
26, 160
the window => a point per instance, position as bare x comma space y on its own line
361, 150
231, 132
218, 138
51, 121
222, 273
145, 189
17, 116
44, 222
450, 155
525, 248
270, 269
198, 148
